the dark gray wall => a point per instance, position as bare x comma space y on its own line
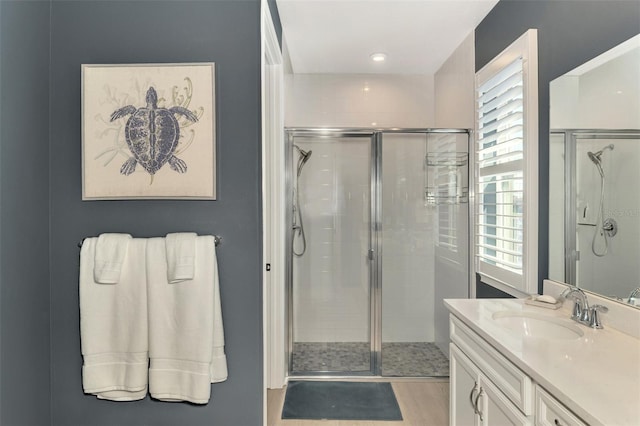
24, 213
113, 32
569, 34
485, 291
275, 18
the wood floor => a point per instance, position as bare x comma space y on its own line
422, 404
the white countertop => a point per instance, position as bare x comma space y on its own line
597, 376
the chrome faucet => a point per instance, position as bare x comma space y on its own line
635, 294
582, 313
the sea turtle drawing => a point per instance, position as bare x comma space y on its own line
152, 135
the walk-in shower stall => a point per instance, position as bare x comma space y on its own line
595, 216
378, 237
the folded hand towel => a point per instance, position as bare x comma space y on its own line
113, 326
181, 250
180, 326
109, 256
218, 358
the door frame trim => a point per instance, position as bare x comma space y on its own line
375, 238
273, 206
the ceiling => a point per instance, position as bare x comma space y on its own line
338, 36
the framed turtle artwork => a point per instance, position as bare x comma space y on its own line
148, 131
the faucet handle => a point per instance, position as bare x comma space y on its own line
595, 318
600, 308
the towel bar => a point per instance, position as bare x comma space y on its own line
217, 239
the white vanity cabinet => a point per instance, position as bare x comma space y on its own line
489, 390
463, 389
475, 400
508, 373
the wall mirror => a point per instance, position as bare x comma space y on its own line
594, 193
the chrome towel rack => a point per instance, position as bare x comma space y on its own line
216, 238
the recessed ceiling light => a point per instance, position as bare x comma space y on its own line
378, 57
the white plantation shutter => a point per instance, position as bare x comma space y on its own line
505, 171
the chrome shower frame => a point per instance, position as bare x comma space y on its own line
375, 239
571, 138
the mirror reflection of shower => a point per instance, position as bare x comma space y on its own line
298, 224
605, 228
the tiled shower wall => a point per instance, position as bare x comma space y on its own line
408, 225
331, 279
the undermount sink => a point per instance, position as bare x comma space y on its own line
537, 325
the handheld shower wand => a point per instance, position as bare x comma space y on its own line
304, 157
607, 227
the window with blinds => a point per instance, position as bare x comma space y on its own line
501, 163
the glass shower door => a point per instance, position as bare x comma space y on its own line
330, 286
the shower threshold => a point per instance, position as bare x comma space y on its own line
405, 359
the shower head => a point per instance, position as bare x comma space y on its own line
596, 157
304, 157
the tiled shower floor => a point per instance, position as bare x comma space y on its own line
398, 359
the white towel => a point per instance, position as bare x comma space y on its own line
109, 257
181, 326
181, 251
113, 326
218, 358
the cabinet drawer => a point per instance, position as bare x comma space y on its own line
550, 412
498, 409
512, 381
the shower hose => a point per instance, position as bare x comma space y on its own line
298, 225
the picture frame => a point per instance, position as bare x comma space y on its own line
148, 131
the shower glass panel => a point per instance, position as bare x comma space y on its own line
608, 212
594, 223
330, 299
424, 247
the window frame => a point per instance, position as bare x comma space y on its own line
525, 47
